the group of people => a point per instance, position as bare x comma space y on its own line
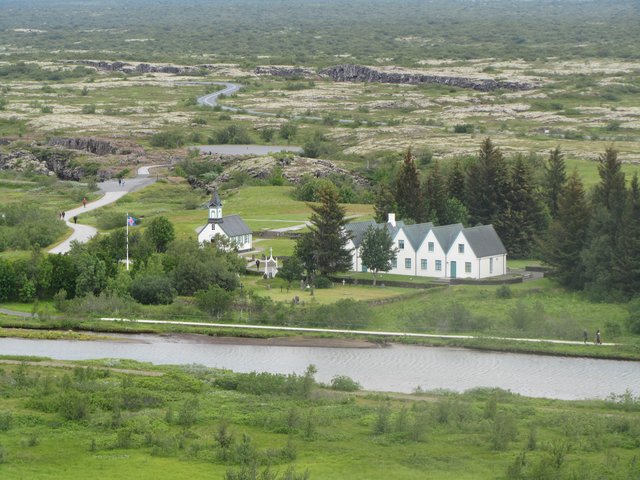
598, 339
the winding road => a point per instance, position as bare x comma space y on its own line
112, 192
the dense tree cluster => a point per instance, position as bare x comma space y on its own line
161, 268
487, 189
594, 243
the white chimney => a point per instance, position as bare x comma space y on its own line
392, 219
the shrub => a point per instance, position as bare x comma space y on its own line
73, 406
463, 128
322, 282
215, 300
88, 109
344, 383
167, 139
503, 292
233, 134
152, 290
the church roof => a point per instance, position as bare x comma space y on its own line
234, 226
215, 200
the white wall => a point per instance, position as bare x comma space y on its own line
461, 259
431, 257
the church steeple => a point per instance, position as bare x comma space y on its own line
215, 208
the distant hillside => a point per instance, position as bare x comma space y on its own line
318, 32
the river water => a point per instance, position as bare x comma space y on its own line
398, 368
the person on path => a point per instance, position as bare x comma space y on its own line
257, 264
598, 338
585, 336
75, 219
84, 202
63, 214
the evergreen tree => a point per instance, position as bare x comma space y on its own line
555, 177
329, 236
304, 251
408, 193
377, 251
456, 181
567, 235
626, 266
385, 203
455, 212
435, 193
524, 217
611, 193
487, 186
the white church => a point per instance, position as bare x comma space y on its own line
229, 226
447, 251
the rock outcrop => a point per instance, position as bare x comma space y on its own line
286, 72
97, 146
23, 161
138, 68
360, 73
293, 169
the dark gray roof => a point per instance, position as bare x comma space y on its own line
417, 233
484, 241
234, 226
446, 234
215, 200
357, 230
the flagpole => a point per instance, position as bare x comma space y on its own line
127, 241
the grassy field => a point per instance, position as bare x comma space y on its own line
172, 422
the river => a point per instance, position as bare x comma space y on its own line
397, 368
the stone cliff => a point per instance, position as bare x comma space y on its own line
360, 73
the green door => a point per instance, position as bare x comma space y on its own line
453, 269
364, 268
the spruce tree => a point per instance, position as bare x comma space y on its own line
626, 265
610, 193
385, 203
567, 235
555, 177
408, 193
456, 181
524, 218
487, 187
328, 234
435, 194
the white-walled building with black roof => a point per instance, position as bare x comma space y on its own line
229, 226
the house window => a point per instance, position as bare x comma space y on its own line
394, 263
407, 263
431, 246
461, 248
491, 265
401, 244
423, 264
438, 265
467, 267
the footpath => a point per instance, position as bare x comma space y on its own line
112, 192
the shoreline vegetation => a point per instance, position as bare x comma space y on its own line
79, 419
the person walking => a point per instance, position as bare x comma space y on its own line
63, 214
84, 202
585, 335
598, 338
75, 219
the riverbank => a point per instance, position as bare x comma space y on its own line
329, 338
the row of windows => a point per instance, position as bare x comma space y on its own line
424, 265
430, 246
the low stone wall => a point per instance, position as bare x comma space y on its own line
486, 281
537, 268
386, 282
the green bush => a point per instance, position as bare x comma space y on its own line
322, 282
88, 109
167, 139
344, 383
152, 290
463, 128
232, 134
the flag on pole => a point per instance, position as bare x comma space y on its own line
132, 222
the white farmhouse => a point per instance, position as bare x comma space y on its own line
448, 251
230, 226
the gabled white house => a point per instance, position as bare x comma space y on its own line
448, 251
230, 226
